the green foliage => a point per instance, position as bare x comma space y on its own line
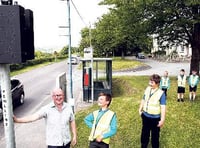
119, 64
182, 125
64, 51
118, 32
128, 27
15, 67
85, 35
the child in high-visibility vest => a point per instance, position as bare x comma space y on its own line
193, 82
181, 79
103, 123
165, 82
153, 111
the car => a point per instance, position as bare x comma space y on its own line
17, 92
140, 56
74, 60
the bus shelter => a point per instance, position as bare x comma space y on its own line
97, 76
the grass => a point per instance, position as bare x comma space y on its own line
118, 64
121, 64
182, 125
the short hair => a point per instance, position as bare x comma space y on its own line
108, 97
156, 78
182, 70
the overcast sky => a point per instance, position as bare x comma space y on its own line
50, 14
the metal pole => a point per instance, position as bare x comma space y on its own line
7, 105
69, 54
92, 77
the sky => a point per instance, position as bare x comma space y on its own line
50, 14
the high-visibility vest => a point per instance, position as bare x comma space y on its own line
193, 80
165, 82
152, 101
102, 126
181, 81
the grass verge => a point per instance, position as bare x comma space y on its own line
182, 125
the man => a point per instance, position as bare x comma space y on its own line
103, 123
58, 116
152, 110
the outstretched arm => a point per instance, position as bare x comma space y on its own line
26, 119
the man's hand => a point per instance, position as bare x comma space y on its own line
14, 118
74, 141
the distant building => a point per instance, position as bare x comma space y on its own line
181, 50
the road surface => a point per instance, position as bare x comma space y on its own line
158, 67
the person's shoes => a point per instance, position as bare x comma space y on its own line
178, 100
182, 100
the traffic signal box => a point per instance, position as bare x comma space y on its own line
16, 34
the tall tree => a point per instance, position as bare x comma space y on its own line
85, 38
175, 22
121, 29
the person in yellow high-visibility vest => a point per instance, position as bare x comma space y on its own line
181, 80
193, 81
152, 110
165, 82
103, 123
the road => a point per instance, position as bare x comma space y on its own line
158, 67
39, 82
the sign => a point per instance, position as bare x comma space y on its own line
88, 53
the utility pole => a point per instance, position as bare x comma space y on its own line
7, 105
69, 53
70, 83
92, 77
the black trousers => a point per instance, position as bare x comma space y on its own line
165, 91
94, 144
64, 146
149, 126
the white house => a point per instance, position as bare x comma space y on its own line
182, 50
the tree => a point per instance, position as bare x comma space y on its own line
85, 38
121, 29
175, 22
64, 50
118, 32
